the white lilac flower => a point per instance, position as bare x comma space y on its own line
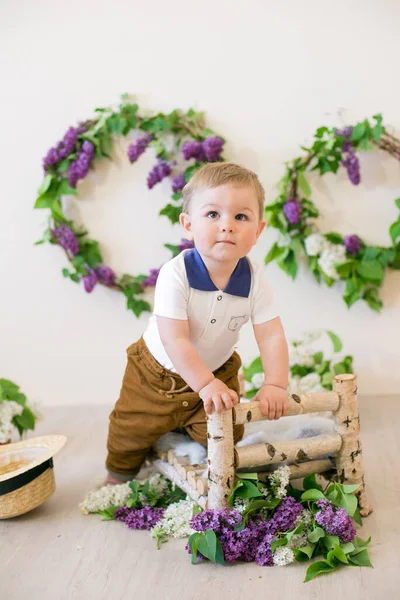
257, 380
8, 410
293, 387
334, 253
240, 504
117, 495
283, 556
279, 480
105, 497
36, 408
247, 386
301, 356
310, 383
315, 244
310, 336
176, 521
301, 539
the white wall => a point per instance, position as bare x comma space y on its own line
267, 74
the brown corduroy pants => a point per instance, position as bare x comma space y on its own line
152, 402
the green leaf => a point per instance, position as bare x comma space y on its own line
90, 251
346, 501
190, 171
331, 492
347, 547
337, 344
395, 230
340, 554
335, 238
8, 389
172, 212
397, 202
316, 534
248, 490
371, 270
46, 183
177, 196
357, 517
361, 559
108, 513
310, 482
303, 183
203, 547
26, 420
65, 189
318, 568
304, 553
274, 253
138, 306
312, 495
349, 489
252, 476
212, 543
345, 269
330, 541
192, 545
358, 132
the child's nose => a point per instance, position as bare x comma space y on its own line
227, 226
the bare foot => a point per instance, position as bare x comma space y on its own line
110, 480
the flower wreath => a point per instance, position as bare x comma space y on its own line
331, 256
170, 135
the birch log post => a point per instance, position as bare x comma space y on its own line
221, 468
349, 465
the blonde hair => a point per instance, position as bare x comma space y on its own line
212, 175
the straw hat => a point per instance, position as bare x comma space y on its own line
27, 474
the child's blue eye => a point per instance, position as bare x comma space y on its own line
212, 214
241, 217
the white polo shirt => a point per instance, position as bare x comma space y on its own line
185, 291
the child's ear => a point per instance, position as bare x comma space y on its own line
261, 228
186, 223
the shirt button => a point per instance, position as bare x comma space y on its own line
184, 403
219, 297
213, 320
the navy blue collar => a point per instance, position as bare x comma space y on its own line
199, 278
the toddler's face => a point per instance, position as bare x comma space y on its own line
224, 222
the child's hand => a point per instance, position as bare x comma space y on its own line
218, 394
274, 401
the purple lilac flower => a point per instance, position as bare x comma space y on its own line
185, 245
178, 182
352, 244
66, 238
161, 170
105, 274
285, 515
335, 521
79, 168
219, 521
151, 280
193, 150
292, 210
90, 280
264, 556
139, 518
212, 147
63, 148
349, 158
135, 150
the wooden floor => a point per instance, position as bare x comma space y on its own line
56, 553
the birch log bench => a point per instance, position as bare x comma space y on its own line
303, 456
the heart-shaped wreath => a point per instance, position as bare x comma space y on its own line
172, 137
331, 256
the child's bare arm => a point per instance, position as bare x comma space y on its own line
174, 334
274, 354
